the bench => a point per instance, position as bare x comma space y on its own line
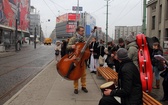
110, 75
107, 73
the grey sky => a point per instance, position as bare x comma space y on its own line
121, 12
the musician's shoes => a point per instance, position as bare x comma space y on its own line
76, 91
84, 89
93, 72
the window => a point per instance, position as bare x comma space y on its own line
166, 33
160, 14
159, 34
153, 22
167, 10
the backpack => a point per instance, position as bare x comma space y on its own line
56, 52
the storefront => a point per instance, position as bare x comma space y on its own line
7, 37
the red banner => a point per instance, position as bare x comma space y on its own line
9, 11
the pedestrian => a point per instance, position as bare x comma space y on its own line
157, 50
63, 48
78, 37
132, 48
165, 83
57, 51
129, 84
94, 55
121, 43
101, 53
164, 75
110, 52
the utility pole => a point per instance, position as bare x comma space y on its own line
144, 18
107, 22
77, 13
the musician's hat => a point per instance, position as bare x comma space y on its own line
122, 54
58, 41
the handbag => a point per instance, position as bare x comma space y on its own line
56, 52
164, 73
101, 60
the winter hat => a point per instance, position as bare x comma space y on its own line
130, 38
120, 40
122, 54
58, 41
155, 40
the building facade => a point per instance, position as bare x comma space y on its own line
123, 31
65, 25
35, 24
157, 20
14, 16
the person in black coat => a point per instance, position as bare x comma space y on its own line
94, 55
63, 48
129, 84
157, 50
111, 49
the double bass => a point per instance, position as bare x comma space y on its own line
71, 66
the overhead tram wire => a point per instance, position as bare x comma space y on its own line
58, 4
123, 9
98, 9
126, 13
49, 8
101, 7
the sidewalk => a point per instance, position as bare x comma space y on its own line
49, 88
11, 51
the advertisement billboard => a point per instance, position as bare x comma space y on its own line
9, 10
67, 17
70, 27
61, 18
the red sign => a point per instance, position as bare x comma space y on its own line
72, 16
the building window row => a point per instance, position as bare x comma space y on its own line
153, 22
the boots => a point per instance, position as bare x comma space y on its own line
157, 85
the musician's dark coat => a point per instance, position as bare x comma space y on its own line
129, 84
95, 49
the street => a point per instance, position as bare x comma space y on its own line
18, 69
